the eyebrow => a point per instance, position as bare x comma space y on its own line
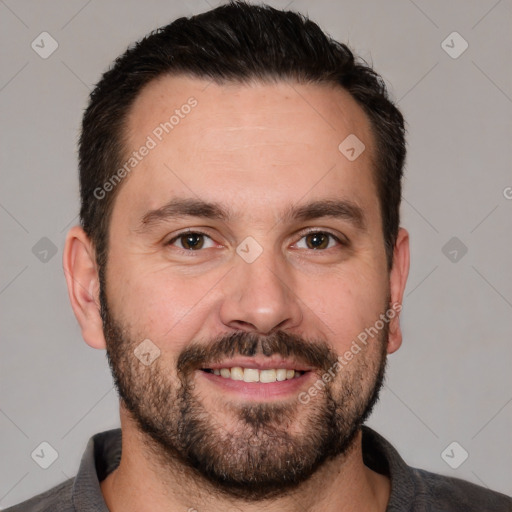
190, 207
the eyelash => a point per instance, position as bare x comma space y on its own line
310, 232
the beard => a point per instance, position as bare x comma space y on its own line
267, 449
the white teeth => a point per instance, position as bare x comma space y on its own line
251, 375
237, 373
268, 376
255, 375
281, 374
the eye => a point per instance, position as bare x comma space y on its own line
194, 241
191, 241
315, 240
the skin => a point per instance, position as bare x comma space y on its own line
256, 149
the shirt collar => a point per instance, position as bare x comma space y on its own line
102, 455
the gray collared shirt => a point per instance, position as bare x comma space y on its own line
412, 490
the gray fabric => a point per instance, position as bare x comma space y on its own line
412, 490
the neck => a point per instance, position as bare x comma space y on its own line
140, 484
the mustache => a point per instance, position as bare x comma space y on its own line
317, 354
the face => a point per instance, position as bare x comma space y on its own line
249, 251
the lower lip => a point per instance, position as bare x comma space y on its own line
261, 390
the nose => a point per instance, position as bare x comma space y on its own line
259, 297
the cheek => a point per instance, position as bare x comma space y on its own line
346, 303
163, 305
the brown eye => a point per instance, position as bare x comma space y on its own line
190, 241
319, 240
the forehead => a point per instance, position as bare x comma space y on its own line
253, 144
306, 108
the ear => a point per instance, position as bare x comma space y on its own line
79, 263
397, 281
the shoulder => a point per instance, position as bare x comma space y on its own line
56, 499
445, 494
415, 490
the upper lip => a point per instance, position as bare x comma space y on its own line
259, 363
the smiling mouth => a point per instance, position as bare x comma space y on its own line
265, 376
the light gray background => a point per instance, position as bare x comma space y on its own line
450, 381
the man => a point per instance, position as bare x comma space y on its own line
240, 259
